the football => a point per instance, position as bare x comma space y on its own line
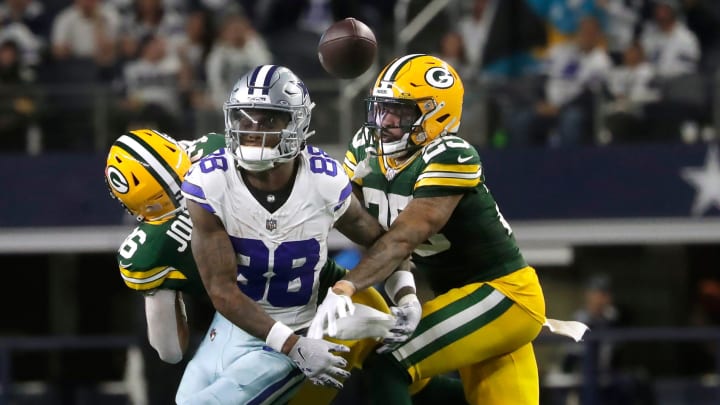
347, 48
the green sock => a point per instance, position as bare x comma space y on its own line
388, 381
441, 389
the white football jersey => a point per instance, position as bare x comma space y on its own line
279, 254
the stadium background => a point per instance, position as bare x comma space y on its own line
635, 217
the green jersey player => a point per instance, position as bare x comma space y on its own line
427, 186
144, 171
476, 233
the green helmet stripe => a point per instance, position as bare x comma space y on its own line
397, 65
154, 163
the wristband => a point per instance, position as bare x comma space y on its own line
407, 299
277, 336
397, 281
347, 287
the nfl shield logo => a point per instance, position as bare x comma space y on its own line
270, 224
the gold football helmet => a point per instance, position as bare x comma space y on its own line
144, 171
426, 94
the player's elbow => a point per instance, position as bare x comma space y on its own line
221, 297
167, 353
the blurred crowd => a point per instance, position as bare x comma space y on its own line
149, 62
573, 72
546, 72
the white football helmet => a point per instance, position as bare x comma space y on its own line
268, 87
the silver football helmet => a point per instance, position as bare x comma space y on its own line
279, 90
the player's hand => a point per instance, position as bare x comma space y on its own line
333, 307
313, 358
407, 314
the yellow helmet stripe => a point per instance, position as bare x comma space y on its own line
154, 164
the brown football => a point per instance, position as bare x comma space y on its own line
347, 48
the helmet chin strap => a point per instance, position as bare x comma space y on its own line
166, 215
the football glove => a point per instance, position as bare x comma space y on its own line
333, 307
313, 358
407, 314
366, 322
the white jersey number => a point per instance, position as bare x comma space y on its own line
388, 207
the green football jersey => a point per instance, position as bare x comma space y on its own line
476, 244
158, 255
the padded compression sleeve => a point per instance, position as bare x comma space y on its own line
162, 324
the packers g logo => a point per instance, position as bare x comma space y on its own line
116, 180
439, 77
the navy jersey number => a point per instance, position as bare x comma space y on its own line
288, 274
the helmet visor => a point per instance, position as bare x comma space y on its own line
257, 120
391, 113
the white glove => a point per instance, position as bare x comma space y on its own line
407, 314
333, 307
366, 322
314, 359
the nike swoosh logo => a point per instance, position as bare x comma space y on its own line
463, 159
300, 353
125, 265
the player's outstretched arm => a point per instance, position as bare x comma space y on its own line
358, 225
217, 265
422, 218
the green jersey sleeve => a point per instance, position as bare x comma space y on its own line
355, 154
329, 275
203, 146
159, 256
451, 166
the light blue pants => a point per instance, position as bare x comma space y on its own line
232, 367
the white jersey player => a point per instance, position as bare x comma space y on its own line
280, 253
262, 209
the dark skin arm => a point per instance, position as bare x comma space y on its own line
358, 225
357, 190
217, 265
422, 218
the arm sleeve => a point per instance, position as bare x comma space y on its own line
162, 325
